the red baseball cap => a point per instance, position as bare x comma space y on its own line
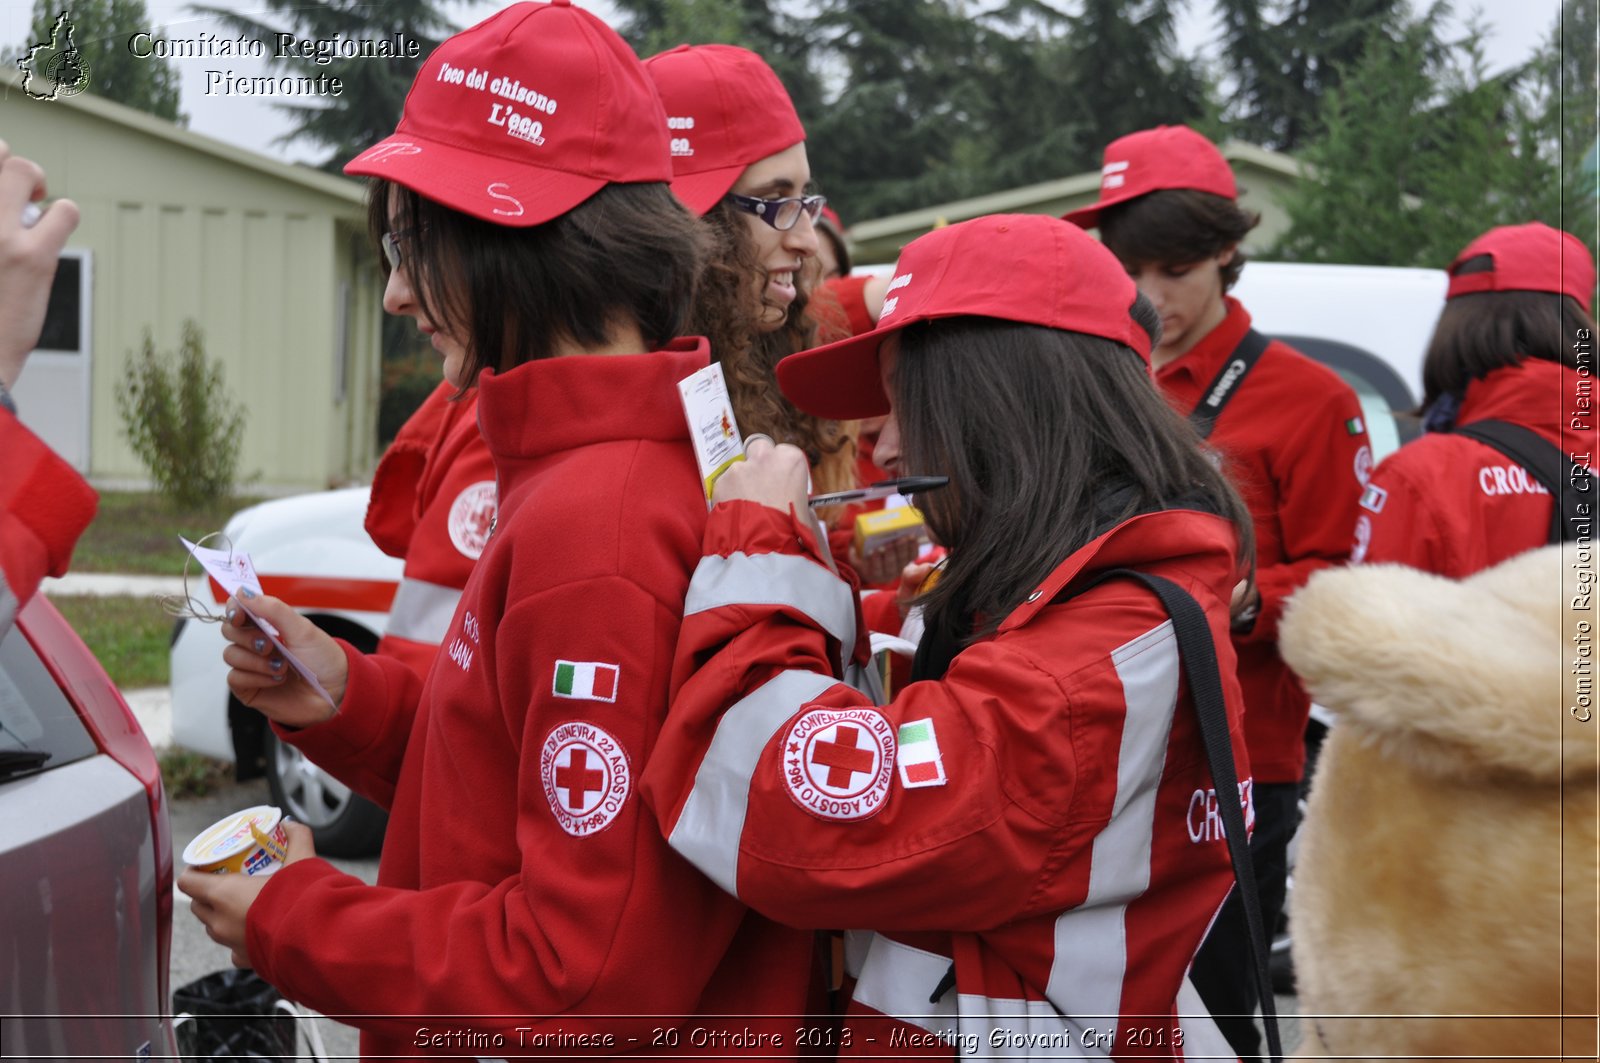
1527, 258
726, 109
524, 116
1028, 268
1168, 156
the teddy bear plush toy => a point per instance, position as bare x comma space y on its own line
1445, 892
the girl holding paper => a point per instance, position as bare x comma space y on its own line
525, 898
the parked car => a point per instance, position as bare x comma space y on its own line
313, 552
1370, 324
86, 864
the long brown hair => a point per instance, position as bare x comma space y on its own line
727, 312
630, 253
1480, 332
1050, 438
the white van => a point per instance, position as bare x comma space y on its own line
1371, 324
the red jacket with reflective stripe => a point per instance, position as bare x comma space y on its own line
521, 876
1454, 506
1292, 441
433, 502
1043, 815
44, 507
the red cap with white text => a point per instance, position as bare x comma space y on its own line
1153, 160
725, 109
1527, 258
1027, 268
524, 116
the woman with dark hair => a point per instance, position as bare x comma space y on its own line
1514, 345
1289, 434
739, 161
525, 901
1030, 825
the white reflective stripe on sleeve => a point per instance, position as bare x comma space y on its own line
775, 579
896, 980
1090, 964
1201, 1037
708, 830
422, 611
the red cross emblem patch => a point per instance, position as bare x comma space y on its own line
586, 777
839, 763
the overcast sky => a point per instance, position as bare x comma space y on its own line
1516, 27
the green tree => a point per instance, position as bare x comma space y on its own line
1284, 56
1421, 151
1123, 72
100, 32
180, 421
779, 37
374, 91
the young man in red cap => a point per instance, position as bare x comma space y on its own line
1018, 827
526, 901
1288, 433
1514, 346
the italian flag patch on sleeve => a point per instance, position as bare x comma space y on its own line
1355, 426
918, 755
586, 680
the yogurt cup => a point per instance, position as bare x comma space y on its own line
251, 842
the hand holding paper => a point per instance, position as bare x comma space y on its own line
269, 639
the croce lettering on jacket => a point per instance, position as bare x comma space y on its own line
1454, 506
1293, 443
521, 877
433, 503
1028, 817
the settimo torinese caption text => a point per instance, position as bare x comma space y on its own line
318, 51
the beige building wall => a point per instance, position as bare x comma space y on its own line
1263, 178
269, 259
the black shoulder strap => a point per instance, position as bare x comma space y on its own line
1198, 655
1227, 381
1543, 461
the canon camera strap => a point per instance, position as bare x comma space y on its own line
1227, 381
1543, 461
1198, 655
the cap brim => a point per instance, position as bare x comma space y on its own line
840, 380
522, 195
702, 191
1089, 217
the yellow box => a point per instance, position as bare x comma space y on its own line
874, 531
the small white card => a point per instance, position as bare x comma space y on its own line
233, 570
712, 429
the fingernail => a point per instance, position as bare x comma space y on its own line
260, 645
246, 592
229, 613
277, 664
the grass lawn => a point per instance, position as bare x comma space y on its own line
129, 636
137, 533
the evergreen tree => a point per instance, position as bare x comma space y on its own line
101, 29
652, 26
1123, 72
374, 89
1421, 152
1285, 56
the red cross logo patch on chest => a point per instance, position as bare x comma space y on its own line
586, 777
838, 763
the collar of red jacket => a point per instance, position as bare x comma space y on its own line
1200, 363
557, 404
1534, 392
1202, 545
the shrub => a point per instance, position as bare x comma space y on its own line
407, 381
180, 420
